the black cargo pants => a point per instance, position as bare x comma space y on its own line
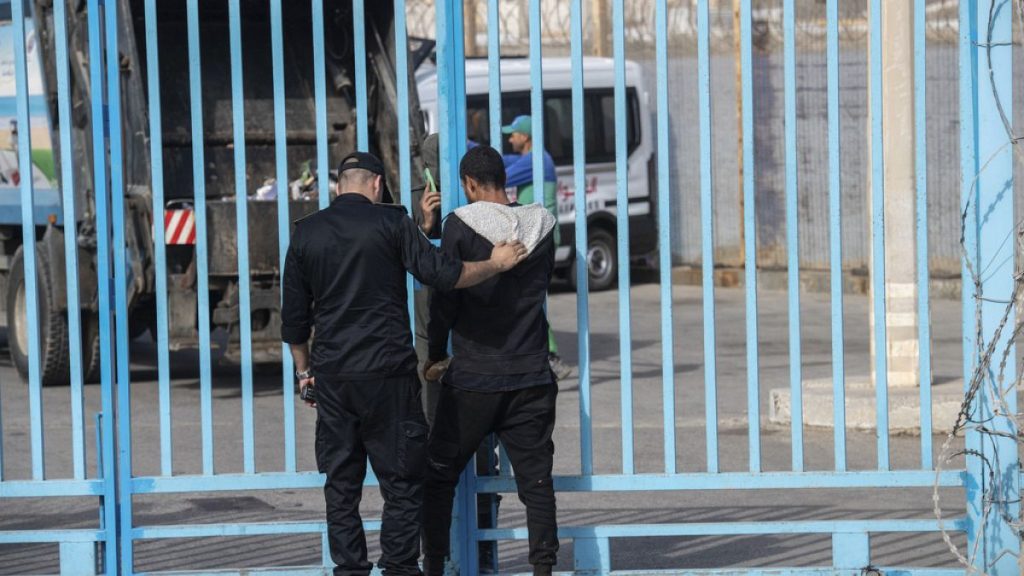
382, 419
523, 421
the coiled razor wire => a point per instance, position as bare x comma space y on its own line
996, 497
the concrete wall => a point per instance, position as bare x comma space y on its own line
812, 158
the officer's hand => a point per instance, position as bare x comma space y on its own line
430, 203
307, 383
506, 255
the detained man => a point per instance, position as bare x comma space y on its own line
498, 379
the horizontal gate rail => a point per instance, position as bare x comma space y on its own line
736, 528
737, 481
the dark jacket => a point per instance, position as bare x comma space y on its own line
498, 327
345, 281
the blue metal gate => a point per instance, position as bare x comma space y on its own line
990, 479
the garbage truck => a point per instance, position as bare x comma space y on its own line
177, 215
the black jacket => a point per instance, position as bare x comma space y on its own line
345, 277
498, 327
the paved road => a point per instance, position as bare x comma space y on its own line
574, 509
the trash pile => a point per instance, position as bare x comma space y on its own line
303, 188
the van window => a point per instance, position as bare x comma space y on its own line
599, 122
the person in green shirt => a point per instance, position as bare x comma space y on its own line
519, 175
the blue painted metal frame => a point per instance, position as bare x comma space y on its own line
159, 239
836, 241
995, 265
750, 238
28, 236
984, 138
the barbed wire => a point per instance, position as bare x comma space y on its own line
996, 496
639, 23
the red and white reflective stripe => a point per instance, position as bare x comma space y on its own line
180, 227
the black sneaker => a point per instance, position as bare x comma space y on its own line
542, 570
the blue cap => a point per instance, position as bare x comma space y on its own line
521, 124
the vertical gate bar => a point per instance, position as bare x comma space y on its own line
707, 233
750, 238
793, 237
159, 237
591, 556
622, 234
320, 97
404, 152
451, 115
968, 75
878, 237
668, 388
28, 237
851, 551
283, 226
67, 184
359, 38
579, 163
924, 338
835, 210
117, 205
202, 258
459, 82
77, 558
445, 116
997, 268
494, 73
106, 457
242, 232
536, 102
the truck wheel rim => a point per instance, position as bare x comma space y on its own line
599, 261
21, 320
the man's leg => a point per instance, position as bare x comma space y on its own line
463, 420
525, 431
340, 455
431, 389
395, 434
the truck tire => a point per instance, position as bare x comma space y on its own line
53, 335
602, 261
90, 348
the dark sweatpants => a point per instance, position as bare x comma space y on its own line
382, 419
523, 420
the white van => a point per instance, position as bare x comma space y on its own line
599, 109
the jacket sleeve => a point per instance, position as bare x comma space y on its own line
297, 297
444, 305
423, 260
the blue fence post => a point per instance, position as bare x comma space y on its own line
851, 551
997, 470
106, 459
591, 556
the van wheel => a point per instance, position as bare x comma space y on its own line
53, 326
602, 262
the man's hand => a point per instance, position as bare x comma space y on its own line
307, 383
430, 202
432, 371
506, 255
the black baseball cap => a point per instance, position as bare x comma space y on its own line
370, 163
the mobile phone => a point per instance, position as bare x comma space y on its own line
308, 394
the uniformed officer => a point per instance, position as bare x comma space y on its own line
344, 280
